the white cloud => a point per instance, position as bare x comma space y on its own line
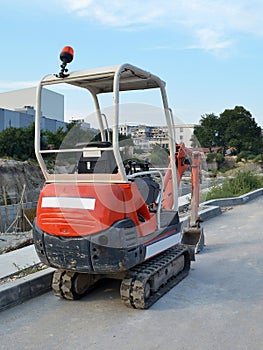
117, 13
242, 15
210, 39
210, 22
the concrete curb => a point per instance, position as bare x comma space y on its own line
210, 212
18, 291
225, 202
24, 288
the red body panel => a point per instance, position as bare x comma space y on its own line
112, 202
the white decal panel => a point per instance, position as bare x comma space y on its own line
68, 202
162, 245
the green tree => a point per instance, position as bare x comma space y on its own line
7, 142
17, 143
207, 132
27, 136
233, 128
238, 129
55, 139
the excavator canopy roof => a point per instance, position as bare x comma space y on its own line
102, 80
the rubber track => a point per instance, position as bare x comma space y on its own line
56, 282
133, 285
65, 284
62, 284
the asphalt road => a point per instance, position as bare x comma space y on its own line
218, 306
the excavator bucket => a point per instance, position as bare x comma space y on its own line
193, 237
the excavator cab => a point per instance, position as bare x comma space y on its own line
100, 215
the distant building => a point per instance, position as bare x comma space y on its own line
159, 136
126, 130
144, 135
17, 119
17, 109
184, 133
141, 131
52, 102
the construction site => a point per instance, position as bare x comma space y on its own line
111, 235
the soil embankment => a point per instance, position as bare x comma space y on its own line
14, 175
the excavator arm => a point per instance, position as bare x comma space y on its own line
192, 234
186, 159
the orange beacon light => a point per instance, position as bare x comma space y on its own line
66, 56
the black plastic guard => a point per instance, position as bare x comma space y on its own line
110, 251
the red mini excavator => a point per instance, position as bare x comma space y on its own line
101, 216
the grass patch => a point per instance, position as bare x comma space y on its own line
242, 183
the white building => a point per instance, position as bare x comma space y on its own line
125, 129
183, 133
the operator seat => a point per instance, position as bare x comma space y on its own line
103, 164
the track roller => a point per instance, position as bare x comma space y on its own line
72, 285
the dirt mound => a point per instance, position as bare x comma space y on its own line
14, 175
244, 167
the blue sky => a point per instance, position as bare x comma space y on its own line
209, 52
